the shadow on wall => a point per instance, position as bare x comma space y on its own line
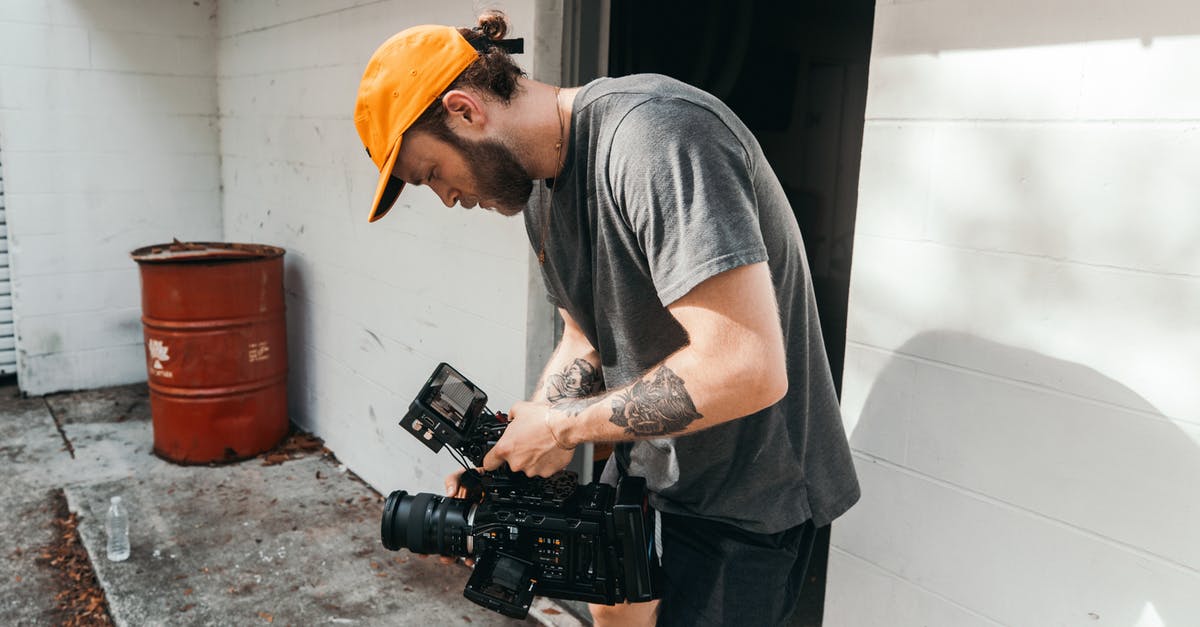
301, 388
1022, 503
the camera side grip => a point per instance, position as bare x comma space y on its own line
631, 514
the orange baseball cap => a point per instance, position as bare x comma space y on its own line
404, 76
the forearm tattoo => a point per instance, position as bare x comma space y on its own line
659, 406
578, 380
575, 406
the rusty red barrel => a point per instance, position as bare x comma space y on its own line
216, 349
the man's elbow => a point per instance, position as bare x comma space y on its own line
775, 387
766, 382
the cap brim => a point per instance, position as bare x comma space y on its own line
389, 187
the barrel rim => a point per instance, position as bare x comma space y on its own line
191, 252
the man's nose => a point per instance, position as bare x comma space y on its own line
444, 194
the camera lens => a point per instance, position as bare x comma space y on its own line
427, 523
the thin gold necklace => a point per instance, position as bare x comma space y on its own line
554, 185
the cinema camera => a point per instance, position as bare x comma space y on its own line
528, 535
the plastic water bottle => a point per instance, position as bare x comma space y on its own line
118, 531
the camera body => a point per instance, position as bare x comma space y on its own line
528, 535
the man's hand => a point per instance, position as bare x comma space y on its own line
528, 445
454, 486
454, 489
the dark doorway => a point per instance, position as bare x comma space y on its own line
796, 72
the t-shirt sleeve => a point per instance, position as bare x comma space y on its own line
683, 180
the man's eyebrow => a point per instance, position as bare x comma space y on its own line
405, 176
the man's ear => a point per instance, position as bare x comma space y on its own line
464, 110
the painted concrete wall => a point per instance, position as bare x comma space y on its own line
372, 308
109, 140
1023, 349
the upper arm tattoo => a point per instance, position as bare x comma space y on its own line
578, 380
657, 406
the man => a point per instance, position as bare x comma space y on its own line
690, 330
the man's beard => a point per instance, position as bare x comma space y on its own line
499, 178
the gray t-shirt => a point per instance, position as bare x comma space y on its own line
663, 188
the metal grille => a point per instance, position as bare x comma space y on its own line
8, 345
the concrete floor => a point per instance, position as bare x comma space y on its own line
290, 544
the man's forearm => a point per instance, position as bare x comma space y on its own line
656, 405
573, 371
674, 398
733, 365
578, 380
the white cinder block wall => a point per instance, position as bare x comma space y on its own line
1023, 354
109, 141
372, 308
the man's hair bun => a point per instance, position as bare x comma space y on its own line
493, 24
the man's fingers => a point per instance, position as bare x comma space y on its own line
454, 483
491, 461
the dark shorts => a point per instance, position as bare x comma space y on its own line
717, 574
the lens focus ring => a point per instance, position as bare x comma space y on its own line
427, 523
418, 517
